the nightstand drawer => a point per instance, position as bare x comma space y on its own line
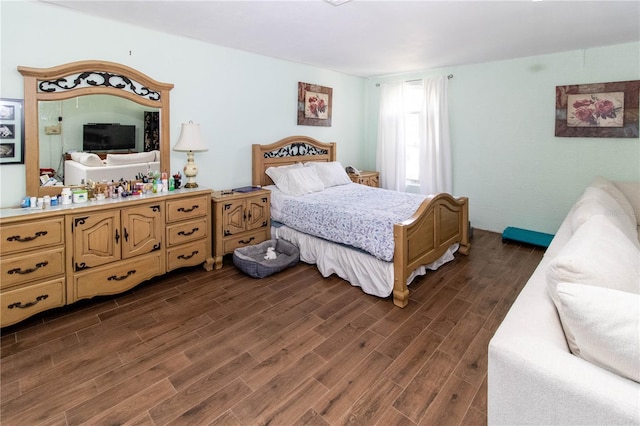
187, 231
23, 268
22, 302
247, 239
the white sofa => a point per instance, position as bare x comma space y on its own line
84, 167
533, 376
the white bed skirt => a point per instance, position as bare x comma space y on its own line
373, 275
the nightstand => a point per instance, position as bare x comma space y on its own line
239, 220
368, 178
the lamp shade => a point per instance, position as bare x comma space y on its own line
190, 138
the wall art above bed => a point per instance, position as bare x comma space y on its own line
314, 105
600, 110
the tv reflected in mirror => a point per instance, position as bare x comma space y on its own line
108, 137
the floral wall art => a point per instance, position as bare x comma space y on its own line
603, 110
314, 105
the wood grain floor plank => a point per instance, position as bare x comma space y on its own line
221, 348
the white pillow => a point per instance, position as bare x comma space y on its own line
597, 254
134, 158
156, 155
87, 158
608, 186
330, 173
276, 172
606, 326
300, 181
596, 201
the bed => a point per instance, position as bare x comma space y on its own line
437, 228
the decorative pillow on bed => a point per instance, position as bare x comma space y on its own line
134, 158
597, 254
330, 173
275, 173
300, 181
596, 201
87, 158
605, 325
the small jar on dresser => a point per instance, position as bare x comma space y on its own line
239, 219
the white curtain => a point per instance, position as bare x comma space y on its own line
434, 148
390, 155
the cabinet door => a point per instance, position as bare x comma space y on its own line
96, 239
233, 217
142, 230
258, 214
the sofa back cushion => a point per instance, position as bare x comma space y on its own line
611, 189
596, 201
597, 254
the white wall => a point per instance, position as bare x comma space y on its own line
238, 98
506, 158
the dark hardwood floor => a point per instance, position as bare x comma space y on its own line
197, 347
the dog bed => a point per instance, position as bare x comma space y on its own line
251, 259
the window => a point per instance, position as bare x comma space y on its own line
413, 117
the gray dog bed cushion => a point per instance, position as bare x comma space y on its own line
251, 261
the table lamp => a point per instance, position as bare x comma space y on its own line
190, 140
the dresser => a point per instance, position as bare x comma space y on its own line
63, 254
368, 178
239, 220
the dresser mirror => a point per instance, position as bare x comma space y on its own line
58, 102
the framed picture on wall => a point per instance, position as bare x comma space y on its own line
314, 105
600, 110
11, 131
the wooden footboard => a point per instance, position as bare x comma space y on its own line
438, 223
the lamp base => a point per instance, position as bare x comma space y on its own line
190, 185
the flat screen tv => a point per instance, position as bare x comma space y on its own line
108, 137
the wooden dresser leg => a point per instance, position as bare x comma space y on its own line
401, 297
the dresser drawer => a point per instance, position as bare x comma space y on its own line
187, 208
246, 239
187, 231
187, 255
28, 235
117, 277
22, 302
22, 268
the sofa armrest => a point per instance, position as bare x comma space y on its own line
532, 382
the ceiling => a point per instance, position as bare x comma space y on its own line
372, 38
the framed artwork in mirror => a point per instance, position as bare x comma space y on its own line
598, 110
11, 131
314, 105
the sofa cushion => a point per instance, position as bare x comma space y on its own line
609, 187
597, 254
87, 158
597, 201
133, 158
605, 324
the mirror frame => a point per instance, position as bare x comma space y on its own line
80, 79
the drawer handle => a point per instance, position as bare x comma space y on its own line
246, 242
187, 233
28, 305
27, 271
27, 239
188, 256
121, 277
182, 209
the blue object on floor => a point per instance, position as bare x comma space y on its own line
526, 236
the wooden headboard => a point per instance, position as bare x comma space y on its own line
291, 150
